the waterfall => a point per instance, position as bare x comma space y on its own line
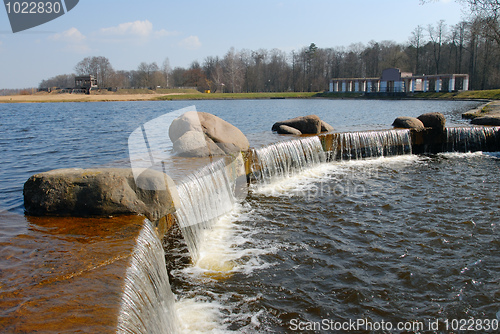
370, 144
147, 304
287, 158
205, 196
472, 139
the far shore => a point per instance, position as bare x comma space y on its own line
66, 97
192, 94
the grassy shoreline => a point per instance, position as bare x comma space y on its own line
172, 95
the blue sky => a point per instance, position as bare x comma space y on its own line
130, 32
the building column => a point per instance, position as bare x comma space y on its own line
451, 88
466, 83
425, 84
331, 87
438, 85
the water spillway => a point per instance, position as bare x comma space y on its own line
472, 139
147, 305
286, 158
367, 144
146, 300
210, 192
205, 195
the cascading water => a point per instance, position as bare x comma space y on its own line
147, 305
371, 144
287, 158
472, 139
204, 195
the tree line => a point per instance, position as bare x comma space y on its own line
471, 46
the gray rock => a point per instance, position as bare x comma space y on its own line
222, 132
408, 123
305, 124
196, 144
486, 120
99, 192
434, 120
287, 130
219, 136
184, 123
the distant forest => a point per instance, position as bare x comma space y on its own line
472, 47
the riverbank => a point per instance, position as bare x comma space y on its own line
192, 94
487, 114
147, 95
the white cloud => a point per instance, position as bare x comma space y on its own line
74, 40
71, 35
190, 43
136, 28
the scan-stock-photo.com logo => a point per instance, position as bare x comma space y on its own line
24, 15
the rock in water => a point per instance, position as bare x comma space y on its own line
408, 123
99, 192
434, 120
325, 127
305, 124
486, 120
287, 130
227, 138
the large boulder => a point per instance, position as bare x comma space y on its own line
486, 120
219, 137
408, 123
195, 144
99, 192
305, 124
434, 120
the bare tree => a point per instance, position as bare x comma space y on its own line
166, 71
61, 81
148, 75
437, 34
99, 67
233, 68
416, 41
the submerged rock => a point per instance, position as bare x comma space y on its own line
408, 123
218, 137
99, 192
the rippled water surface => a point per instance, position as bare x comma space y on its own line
37, 137
392, 239
412, 238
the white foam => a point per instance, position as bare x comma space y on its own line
226, 249
302, 184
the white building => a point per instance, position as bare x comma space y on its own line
395, 81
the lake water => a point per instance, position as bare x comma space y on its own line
410, 239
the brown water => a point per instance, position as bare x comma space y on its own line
63, 275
